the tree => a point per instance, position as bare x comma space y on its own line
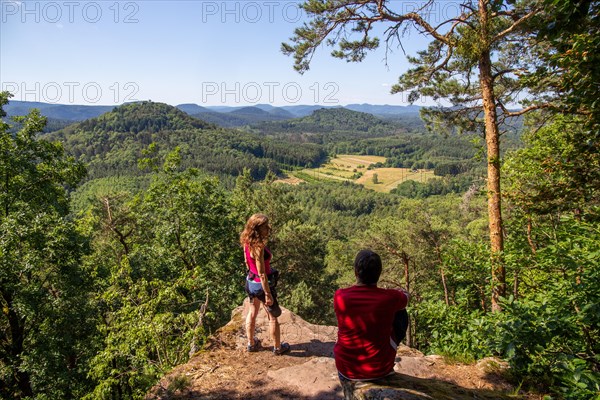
168, 271
570, 37
553, 173
550, 335
571, 33
375, 179
43, 289
477, 61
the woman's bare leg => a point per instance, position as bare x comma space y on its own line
254, 306
274, 330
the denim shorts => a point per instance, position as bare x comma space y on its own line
254, 289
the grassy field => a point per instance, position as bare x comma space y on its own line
354, 168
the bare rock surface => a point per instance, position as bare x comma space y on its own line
224, 370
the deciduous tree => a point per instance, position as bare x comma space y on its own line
43, 289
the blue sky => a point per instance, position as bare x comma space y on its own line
203, 52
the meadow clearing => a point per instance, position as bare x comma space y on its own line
355, 168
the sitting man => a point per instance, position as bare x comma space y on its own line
371, 323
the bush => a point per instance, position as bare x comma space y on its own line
545, 345
451, 331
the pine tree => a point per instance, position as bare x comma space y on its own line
478, 61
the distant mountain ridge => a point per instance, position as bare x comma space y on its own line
69, 112
326, 120
228, 116
384, 109
327, 126
241, 116
192, 109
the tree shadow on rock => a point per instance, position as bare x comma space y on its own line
250, 394
405, 387
314, 348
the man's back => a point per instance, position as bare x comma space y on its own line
365, 315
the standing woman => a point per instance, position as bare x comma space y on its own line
258, 260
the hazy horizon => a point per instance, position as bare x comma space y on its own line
13, 99
215, 53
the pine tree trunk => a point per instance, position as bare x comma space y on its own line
492, 138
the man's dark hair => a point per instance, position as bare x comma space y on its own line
367, 267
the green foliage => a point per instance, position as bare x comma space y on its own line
328, 125
243, 116
327, 202
44, 291
450, 168
457, 332
570, 32
550, 336
467, 263
298, 246
113, 143
300, 299
439, 186
88, 193
146, 116
556, 171
564, 314
307, 287
159, 256
421, 151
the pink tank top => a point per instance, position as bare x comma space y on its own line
252, 262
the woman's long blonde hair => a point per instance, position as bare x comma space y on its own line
250, 235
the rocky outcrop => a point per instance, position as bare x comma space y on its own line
224, 370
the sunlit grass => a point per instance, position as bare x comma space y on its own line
354, 168
390, 178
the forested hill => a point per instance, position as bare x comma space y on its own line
144, 116
343, 119
243, 116
113, 142
325, 125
